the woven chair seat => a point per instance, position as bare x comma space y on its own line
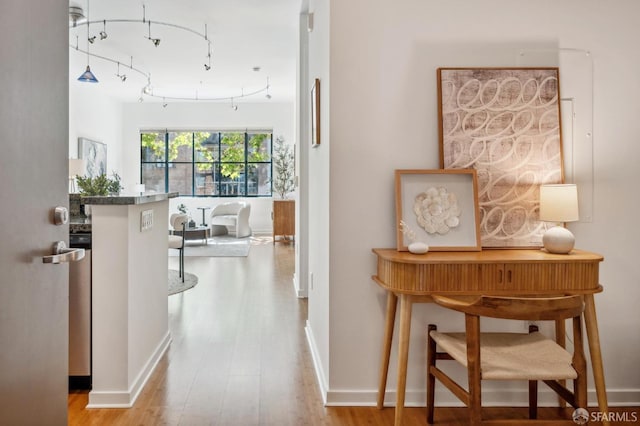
512, 356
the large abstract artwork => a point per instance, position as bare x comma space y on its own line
505, 124
95, 157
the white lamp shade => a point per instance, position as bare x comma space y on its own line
76, 167
559, 203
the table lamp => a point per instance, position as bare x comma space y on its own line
558, 203
76, 168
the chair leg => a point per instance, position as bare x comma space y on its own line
431, 380
181, 267
533, 399
472, 326
533, 387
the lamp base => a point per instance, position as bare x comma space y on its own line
558, 240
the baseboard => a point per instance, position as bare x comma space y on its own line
490, 397
317, 365
126, 399
300, 293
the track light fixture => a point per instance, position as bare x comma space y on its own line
122, 77
268, 95
148, 90
103, 33
164, 103
76, 18
155, 41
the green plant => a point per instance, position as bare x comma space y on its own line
114, 186
283, 162
182, 208
99, 185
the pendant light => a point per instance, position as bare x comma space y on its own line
87, 76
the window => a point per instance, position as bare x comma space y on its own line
222, 164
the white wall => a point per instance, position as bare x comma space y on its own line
95, 116
383, 114
320, 291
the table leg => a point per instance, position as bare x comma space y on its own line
403, 354
593, 338
203, 220
392, 302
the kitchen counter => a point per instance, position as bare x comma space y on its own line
133, 199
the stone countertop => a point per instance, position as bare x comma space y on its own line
128, 199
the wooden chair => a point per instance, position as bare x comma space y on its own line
508, 356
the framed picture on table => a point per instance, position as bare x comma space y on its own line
439, 208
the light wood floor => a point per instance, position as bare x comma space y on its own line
239, 357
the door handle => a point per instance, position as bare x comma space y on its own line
62, 254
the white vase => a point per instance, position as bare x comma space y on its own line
418, 247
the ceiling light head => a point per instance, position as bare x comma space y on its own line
268, 96
155, 41
234, 107
256, 69
91, 39
103, 35
147, 90
140, 99
207, 67
122, 77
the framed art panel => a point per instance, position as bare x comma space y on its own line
439, 208
95, 156
505, 124
315, 113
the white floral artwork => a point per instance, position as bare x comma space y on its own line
437, 210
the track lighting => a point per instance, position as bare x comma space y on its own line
77, 18
122, 77
103, 33
148, 90
155, 41
164, 103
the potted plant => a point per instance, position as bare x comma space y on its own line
100, 185
283, 167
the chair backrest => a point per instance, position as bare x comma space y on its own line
517, 308
228, 208
178, 221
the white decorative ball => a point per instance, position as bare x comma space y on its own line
418, 248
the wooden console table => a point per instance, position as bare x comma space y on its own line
413, 278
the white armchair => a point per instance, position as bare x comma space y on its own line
231, 217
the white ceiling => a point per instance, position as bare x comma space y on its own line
244, 34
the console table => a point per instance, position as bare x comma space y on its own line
413, 278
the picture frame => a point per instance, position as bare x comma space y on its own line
95, 155
315, 113
505, 123
439, 207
